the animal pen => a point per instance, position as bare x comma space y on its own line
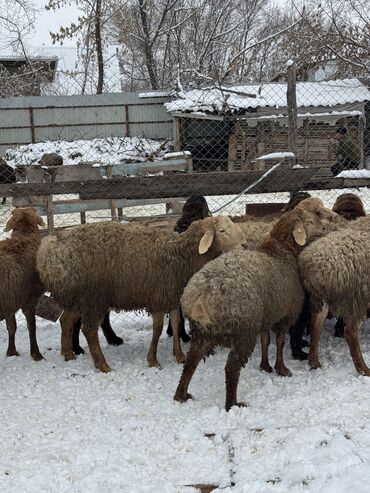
140, 155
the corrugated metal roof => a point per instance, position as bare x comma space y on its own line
242, 99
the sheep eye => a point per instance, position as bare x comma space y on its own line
221, 231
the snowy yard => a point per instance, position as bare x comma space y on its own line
67, 428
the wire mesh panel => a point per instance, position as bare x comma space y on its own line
230, 144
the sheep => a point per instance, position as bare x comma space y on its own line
93, 267
195, 208
348, 206
336, 274
7, 175
245, 293
20, 286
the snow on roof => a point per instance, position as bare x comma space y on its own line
241, 99
110, 150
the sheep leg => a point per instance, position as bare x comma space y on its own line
184, 336
265, 342
67, 324
3, 202
77, 349
91, 334
175, 322
111, 337
151, 357
196, 352
234, 363
317, 322
280, 367
351, 335
11, 326
31, 325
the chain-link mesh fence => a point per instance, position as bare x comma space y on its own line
240, 133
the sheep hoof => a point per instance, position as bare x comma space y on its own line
314, 365
115, 341
12, 352
37, 356
69, 356
365, 372
180, 358
103, 367
154, 364
180, 397
237, 404
79, 350
283, 372
266, 367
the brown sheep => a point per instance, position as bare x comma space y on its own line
244, 294
94, 267
20, 286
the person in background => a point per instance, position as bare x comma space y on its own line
346, 151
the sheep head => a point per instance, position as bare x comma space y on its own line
349, 206
221, 233
303, 224
24, 220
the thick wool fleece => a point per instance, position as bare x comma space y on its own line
20, 285
244, 293
94, 267
336, 270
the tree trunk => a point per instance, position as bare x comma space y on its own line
149, 59
99, 48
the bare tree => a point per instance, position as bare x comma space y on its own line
89, 29
338, 30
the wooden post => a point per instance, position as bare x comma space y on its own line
176, 122
49, 204
113, 203
292, 109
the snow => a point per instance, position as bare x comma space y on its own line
236, 100
67, 428
276, 155
354, 173
110, 150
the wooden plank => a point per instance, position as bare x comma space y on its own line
82, 206
262, 209
179, 185
146, 167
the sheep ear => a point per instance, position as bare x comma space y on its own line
206, 241
40, 221
10, 224
299, 233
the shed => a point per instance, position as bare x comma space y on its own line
227, 128
27, 74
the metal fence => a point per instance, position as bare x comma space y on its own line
234, 135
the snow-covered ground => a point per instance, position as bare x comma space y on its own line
65, 427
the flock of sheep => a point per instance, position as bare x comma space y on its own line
235, 278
